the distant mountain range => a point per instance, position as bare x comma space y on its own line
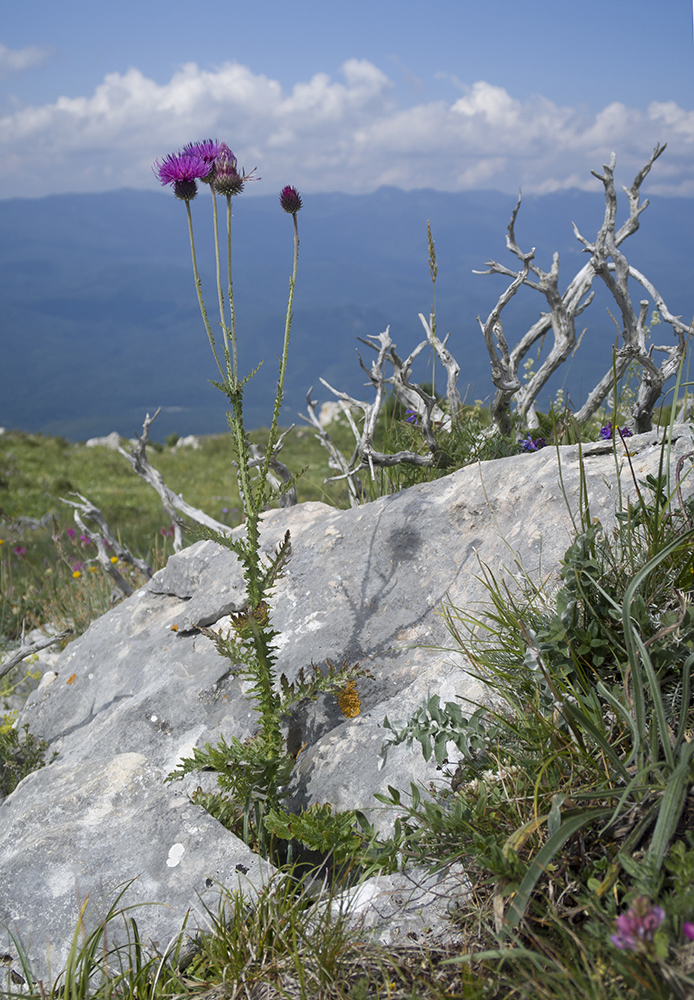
99, 320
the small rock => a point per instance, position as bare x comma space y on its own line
330, 412
191, 441
111, 441
408, 906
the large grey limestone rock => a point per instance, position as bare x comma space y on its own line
132, 696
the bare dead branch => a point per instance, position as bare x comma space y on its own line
278, 474
504, 376
337, 460
173, 504
83, 508
30, 648
452, 371
611, 266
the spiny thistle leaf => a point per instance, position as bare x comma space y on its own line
277, 564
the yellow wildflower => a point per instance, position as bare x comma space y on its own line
76, 575
114, 559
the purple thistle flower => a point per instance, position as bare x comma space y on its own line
182, 170
19, 551
208, 149
411, 416
688, 930
290, 200
71, 532
636, 928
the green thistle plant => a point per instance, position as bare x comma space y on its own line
251, 772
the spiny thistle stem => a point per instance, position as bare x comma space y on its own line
232, 310
198, 289
274, 428
220, 293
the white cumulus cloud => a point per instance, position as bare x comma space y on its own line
324, 134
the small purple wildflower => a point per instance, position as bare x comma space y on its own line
532, 444
636, 928
411, 417
167, 532
606, 432
183, 170
71, 532
85, 541
290, 200
19, 551
688, 930
78, 567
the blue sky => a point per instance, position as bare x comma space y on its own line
453, 95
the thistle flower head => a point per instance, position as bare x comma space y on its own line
636, 928
227, 178
208, 149
182, 170
290, 200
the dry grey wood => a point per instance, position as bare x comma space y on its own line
452, 370
409, 392
504, 372
278, 473
424, 406
336, 460
31, 648
607, 262
612, 266
174, 504
83, 508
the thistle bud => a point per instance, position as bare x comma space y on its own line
227, 179
290, 200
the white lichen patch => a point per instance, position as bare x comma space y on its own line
176, 852
310, 624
